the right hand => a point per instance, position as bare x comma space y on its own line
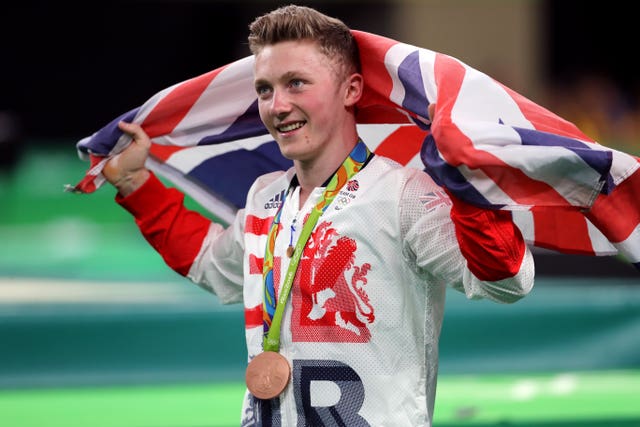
126, 170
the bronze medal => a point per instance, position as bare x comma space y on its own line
290, 250
267, 375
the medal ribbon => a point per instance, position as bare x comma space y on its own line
273, 310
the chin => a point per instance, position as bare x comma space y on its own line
286, 153
288, 148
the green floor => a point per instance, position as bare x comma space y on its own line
562, 400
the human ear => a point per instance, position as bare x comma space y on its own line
354, 88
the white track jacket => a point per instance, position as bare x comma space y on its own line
362, 323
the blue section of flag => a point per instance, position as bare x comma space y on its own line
230, 175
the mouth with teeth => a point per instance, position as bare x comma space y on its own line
290, 127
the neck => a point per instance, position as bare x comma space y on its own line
316, 173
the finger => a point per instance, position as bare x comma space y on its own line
136, 132
131, 129
432, 110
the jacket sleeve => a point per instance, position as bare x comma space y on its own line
172, 230
489, 240
479, 252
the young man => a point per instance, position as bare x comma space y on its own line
341, 265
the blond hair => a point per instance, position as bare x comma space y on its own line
290, 23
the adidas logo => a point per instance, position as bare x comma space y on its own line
275, 201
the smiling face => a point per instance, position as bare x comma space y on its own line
305, 102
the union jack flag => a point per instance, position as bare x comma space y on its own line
488, 145
434, 199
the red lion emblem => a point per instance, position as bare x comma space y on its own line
329, 300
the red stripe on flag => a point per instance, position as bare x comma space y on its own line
368, 114
372, 51
403, 144
457, 148
375, 106
163, 152
543, 119
87, 184
520, 188
564, 230
171, 109
618, 214
253, 317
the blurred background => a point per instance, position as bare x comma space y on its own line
96, 330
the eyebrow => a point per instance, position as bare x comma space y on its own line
291, 74
259, 82
286, 77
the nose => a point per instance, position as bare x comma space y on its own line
280, 103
